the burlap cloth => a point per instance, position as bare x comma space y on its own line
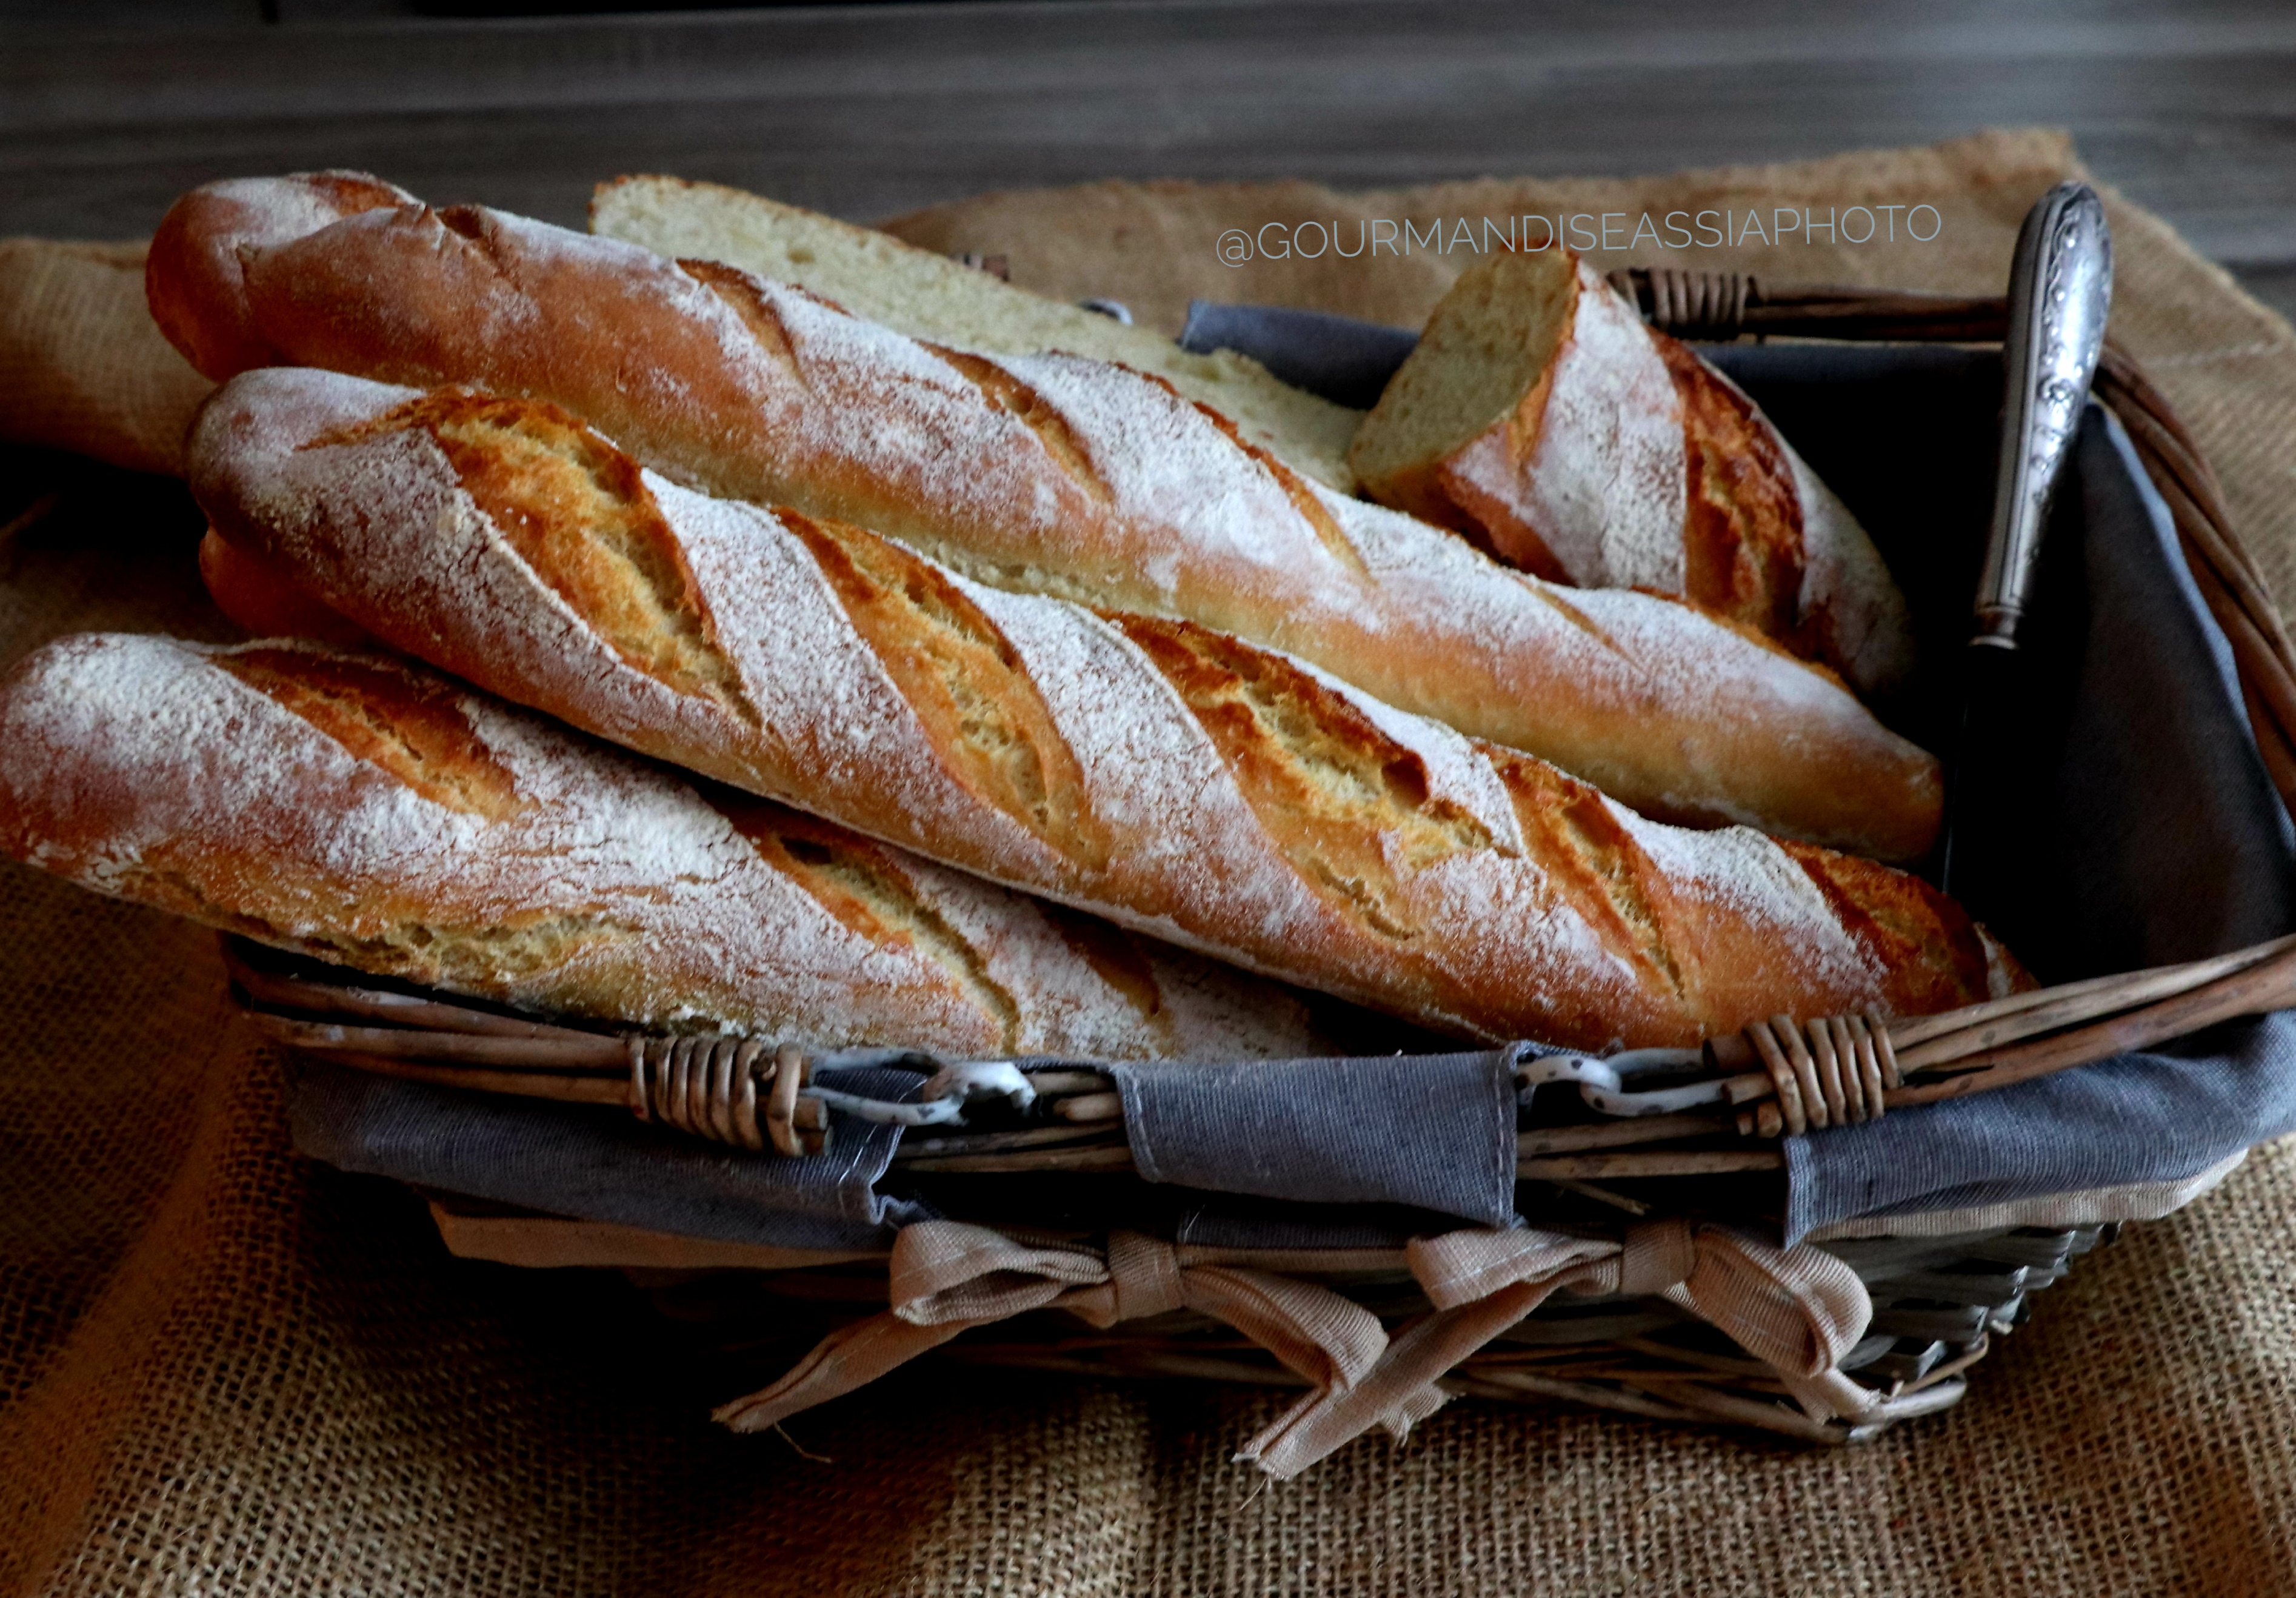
226, 1369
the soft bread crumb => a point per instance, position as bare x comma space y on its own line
1478, 361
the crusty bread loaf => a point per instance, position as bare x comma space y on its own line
1176, 779
935, 299
1051, 473
378, 816
1540, 417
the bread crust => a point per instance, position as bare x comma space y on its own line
1049, 473
1629, 462
372, 813
193, 274
1182, 781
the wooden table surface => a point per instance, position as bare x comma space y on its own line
869, 110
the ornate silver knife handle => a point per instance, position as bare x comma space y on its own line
2059, 292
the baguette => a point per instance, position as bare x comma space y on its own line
1055, 474
1179, 781
1542, 417
931, 297
373, 814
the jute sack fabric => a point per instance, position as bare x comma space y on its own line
228, 1371
82, 366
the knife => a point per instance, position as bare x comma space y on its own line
2060, 288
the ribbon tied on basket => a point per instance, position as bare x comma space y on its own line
1798, 1310
948, 1276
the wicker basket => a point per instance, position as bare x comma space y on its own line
1626, 1145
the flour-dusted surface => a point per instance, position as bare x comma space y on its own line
1052, 474
1712, 701
601, 886
1605, 482
1580, 443
1228, 798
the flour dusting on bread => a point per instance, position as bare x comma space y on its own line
1542, 419
584, 882
1050, 474
1240, 802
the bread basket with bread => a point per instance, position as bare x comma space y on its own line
771, 759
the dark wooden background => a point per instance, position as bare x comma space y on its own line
108, 108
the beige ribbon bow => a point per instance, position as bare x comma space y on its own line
947, 1276
1798, 1310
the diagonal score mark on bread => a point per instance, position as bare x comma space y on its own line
1114, 957
1568, 826
413, 728
578, 511
1311, 509
1330, 788
1925, 937
382, 715
863, 886
963, 679
1743, 534
745, 297
1008, 392
1003, 391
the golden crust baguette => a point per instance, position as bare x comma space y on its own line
1182, 781
1540, 417
373, 814
1052, 474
